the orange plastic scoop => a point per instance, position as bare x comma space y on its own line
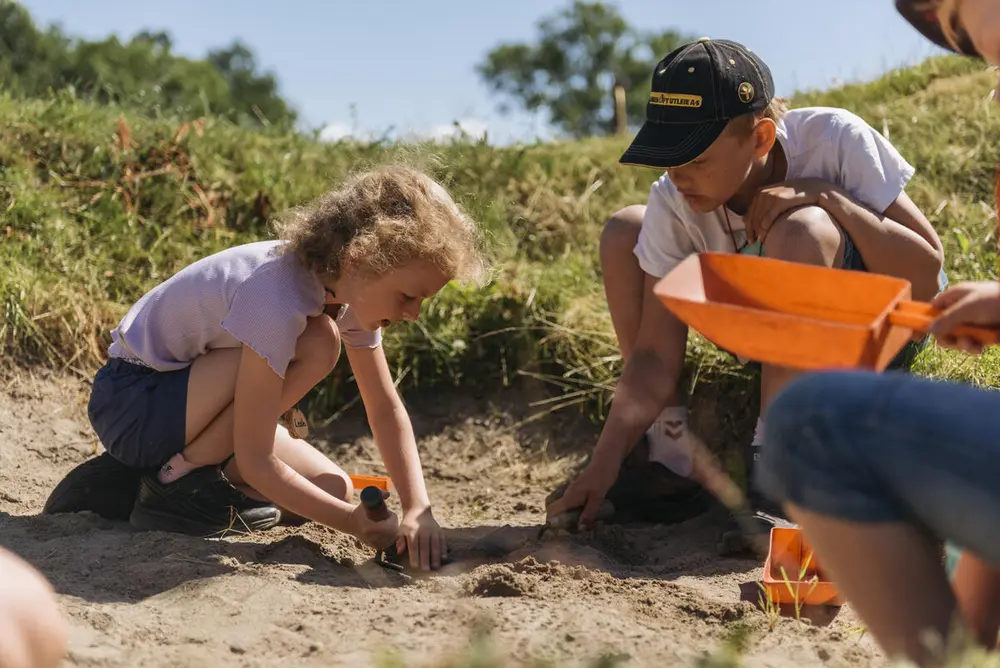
797, 315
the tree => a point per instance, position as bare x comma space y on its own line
258, 93
570, 72
142, 73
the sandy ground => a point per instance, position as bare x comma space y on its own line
307, 596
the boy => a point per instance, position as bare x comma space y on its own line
742, 174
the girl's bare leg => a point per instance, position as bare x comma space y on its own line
892, 576
212, 386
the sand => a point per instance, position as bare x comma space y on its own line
307, 596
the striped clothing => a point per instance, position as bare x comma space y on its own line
248, 295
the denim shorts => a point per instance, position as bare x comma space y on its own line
138, 413
878, 448
852, 260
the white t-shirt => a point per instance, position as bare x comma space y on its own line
248, 294
819, 142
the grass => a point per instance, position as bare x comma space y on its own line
100, 204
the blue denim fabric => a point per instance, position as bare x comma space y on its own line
876, 448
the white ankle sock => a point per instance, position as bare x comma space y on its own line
668, 440
175, 469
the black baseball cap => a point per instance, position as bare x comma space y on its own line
696, 90
922, 15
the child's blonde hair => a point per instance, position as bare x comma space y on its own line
742, 126
381, 219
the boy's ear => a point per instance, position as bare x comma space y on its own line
765, 133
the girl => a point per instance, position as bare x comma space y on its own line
202, 367
898, 463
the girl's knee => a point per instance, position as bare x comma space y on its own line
319, 344
336, 484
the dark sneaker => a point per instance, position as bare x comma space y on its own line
648, 491
202, 503
102, 485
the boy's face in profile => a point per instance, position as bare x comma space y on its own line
715, 176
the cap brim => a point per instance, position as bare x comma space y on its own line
665, 145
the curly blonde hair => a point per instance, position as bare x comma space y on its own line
381, 219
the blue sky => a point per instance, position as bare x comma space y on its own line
408, 67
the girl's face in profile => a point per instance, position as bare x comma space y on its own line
379, 301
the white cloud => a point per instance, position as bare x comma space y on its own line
334, 132
473, 127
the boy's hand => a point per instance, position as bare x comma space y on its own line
588, 490
772, 201
968, 303
378, 535
421, 535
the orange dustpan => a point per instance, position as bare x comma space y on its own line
797, 315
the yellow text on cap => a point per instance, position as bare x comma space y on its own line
675, 99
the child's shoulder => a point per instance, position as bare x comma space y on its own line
814, 124
833, 132
252, 253
257, 263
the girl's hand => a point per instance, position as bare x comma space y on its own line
421, 535
378, 535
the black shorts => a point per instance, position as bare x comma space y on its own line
139, 413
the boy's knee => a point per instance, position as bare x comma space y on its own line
808, 234
319, 344
621, 232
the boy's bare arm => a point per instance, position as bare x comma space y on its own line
649, 379
900, 242
648, 383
